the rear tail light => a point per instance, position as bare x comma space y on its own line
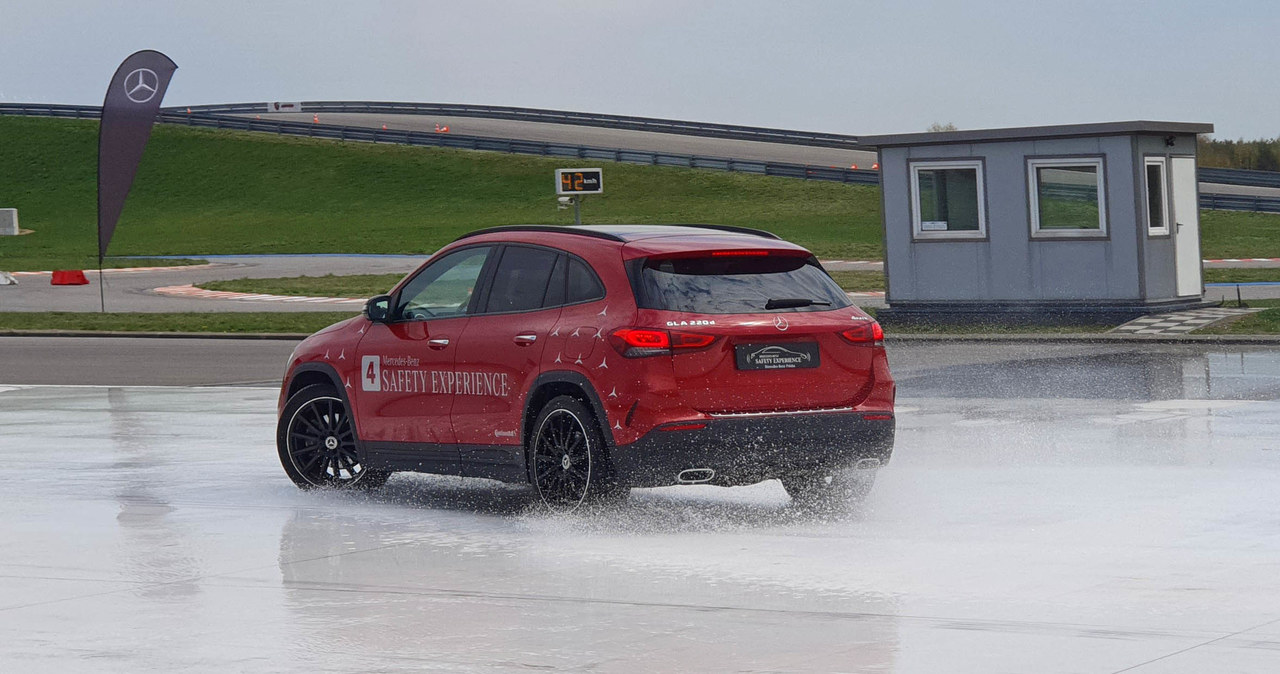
642, 342
865, 332
739, 253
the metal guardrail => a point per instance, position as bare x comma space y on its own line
1239, 177
652, 124
430, 139
1230, 202
1240, 202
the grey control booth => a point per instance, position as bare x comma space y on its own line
1077, 223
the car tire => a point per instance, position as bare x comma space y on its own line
830, 488
316, 441
567, 459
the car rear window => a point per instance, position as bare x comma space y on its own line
734, 285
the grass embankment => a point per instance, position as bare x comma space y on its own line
202, 191
266, 322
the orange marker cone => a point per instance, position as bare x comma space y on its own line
315, 118
875, 166
853, 166
188, 111
384, 127
444, 129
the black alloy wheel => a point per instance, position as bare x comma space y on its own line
316, 441
567, 464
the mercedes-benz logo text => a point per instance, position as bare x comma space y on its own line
141, 85
780, 322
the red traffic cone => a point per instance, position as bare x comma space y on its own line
444, 129
384, 127
875, 166
853, 166
315, 118
68, 277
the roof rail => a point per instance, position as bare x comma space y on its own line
551, 229
735, 229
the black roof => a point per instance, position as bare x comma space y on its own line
624, 233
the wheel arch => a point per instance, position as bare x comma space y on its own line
307, 374
548, 385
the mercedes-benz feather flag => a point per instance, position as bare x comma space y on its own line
128, 112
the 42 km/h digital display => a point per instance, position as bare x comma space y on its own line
579, 181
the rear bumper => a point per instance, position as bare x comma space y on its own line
743, 450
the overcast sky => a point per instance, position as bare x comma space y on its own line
847, 67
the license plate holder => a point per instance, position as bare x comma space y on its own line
777, 356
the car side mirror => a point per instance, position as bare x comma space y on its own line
378, 309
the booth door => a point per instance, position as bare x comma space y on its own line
1186, 237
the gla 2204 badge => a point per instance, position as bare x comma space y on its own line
681, 324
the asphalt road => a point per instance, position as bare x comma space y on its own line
128, 291
599, 137
1048, 509
134, 291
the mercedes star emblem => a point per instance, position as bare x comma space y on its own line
780, 322
141, 85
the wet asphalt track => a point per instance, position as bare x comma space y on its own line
1049, 509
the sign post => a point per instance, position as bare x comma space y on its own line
576, 183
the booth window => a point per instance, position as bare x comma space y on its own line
1157, 212
947, 200
1067, 198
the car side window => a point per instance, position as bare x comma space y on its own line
520, 282
444, 288
555, 286
584, 285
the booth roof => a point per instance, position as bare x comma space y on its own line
1142, 127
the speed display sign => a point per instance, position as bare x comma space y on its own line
579, 181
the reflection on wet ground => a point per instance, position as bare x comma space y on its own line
1137, 372
1037, 517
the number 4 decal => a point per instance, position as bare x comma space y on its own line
370, 374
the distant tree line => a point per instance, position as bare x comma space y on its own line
1259, 155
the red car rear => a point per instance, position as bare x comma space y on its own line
590, 359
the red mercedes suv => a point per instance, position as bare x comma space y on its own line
586, 360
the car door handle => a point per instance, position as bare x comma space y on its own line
438, 342
526, 338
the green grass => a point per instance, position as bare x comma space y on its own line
1225, 234
1241, 275
266, 322
363, 285
1266, 322
859, 281
204, 191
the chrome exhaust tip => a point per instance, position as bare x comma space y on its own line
867, 464
695, 476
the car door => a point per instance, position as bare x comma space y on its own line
407, 376
499, 354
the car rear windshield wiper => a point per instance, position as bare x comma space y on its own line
792, 303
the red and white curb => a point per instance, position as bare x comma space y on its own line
869, 293
190, 291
